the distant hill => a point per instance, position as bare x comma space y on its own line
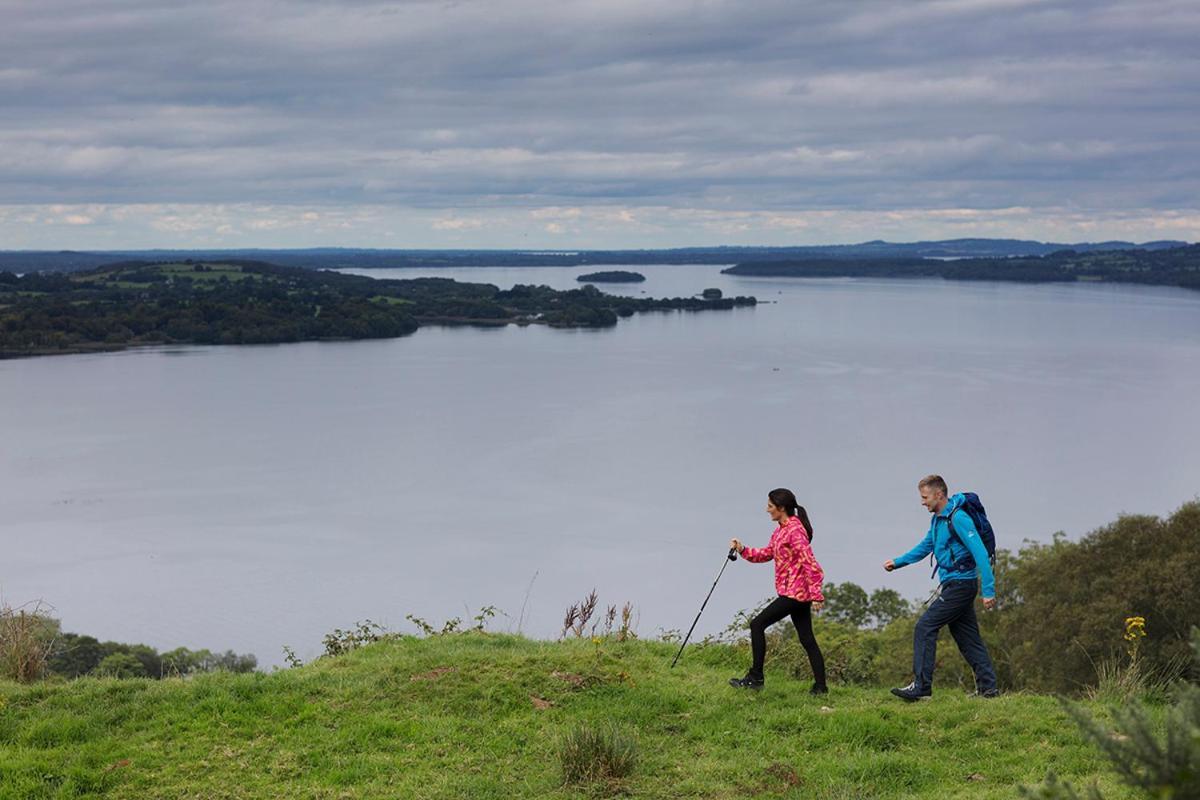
1177, 266
363, 258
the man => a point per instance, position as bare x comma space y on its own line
961, 556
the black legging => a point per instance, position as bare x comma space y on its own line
801, 614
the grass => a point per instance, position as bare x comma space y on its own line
483, 716
215, 272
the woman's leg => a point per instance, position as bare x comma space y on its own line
777, 610
802, 619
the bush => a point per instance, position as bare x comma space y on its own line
121, 665
597, 754
27, 637
340, 642
1069, 599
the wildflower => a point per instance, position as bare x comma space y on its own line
1135, 631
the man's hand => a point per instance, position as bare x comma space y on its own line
736, 545
889, 565
989, 603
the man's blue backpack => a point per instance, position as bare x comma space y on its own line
974, 509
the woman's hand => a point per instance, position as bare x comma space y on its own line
817, 606
737, 546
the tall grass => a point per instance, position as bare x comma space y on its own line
597, 754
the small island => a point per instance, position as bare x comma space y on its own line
612, 276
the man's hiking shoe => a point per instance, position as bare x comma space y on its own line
819, 688
748, 682
986, 694
911, 694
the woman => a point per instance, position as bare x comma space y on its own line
798, 579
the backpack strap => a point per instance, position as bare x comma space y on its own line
954, 533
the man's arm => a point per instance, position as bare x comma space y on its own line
924, 548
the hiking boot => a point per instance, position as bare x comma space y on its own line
819, 688
911, 694
748, 682
986, 694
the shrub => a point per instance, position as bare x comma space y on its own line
27, 637
1068, 598
121, 665
600, 754
366, 632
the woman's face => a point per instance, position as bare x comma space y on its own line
776, 513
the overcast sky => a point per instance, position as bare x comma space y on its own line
602, 123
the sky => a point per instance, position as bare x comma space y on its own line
559, 124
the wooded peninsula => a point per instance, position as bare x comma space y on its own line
1176, 266
248, 302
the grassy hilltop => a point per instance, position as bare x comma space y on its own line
479, 715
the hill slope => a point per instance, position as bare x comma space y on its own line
455, 717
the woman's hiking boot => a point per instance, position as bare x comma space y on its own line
748, 682
819, 688
911, 694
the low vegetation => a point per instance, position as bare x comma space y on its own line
34, 647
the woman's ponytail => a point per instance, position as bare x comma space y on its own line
803, 515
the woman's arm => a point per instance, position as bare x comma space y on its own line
758, 554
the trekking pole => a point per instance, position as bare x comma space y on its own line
732, 556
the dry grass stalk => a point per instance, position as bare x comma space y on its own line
27, 635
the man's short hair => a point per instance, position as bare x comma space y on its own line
934, 482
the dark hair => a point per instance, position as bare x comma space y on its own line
783, 498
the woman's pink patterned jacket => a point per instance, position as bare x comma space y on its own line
797, 573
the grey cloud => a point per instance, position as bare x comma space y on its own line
522, 103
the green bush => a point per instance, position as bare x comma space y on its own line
1071, 599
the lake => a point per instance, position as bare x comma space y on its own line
256, 497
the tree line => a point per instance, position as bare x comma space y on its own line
1177, 266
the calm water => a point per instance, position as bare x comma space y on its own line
251, 497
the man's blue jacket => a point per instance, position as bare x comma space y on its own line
952, 552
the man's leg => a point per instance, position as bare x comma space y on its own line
965, 630
942, 611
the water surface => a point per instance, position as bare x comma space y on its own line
251, 497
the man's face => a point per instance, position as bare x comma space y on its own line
932, 499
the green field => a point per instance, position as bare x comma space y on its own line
480, 716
